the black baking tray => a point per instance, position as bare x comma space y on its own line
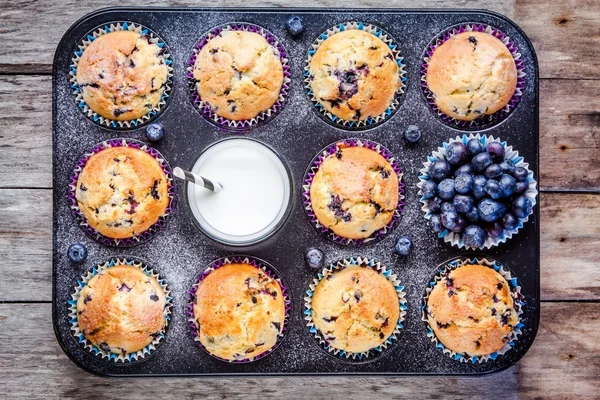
180, 251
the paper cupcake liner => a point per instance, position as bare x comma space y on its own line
243, 259
86, 41
312, 171
93, 349
456, 239
80, 218
387, 39
484, 120
365, 263
515, 292
206, 110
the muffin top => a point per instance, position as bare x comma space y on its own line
354, 75
240, 311
354, 192
121, 309
471, 310
122, 191
239, 74
471, 74
122, 75
355, 309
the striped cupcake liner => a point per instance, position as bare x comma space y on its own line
76, 89
91, 348
369, 122
312, 171
456, 239
206, 109
515, 291
80, 218
255, 262
485, 120
320, 339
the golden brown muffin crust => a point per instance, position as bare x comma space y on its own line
471, 74
239, 74
471, 310
354, 192
122, 75
356, 308
122, 191
354, 75
240, 311
120, 309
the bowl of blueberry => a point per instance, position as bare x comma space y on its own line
476, 191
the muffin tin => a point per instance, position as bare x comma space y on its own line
180, 251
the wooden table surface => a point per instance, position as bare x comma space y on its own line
564, 361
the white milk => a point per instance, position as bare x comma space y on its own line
255, 196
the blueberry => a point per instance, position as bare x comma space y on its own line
465, 169
463, 183
447, 206
520, 174
450, 219
439, 169
435, 204
154, 132
493, 171
507, 185
479, 186
509, 222
521, 187
490, 210
314, 258
507, 167
474, 147
463, 204
481, 161
429, 189
521, 207
77, 252
494, 230
404, 245
472, 215
474, 236
294, 25
446, 189
436, 223
456, 153
492, 189
496, 150
461, 224
412, 134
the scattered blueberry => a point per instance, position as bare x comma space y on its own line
404, 245
493, 171
474, 147
507, 185
472, 215
496, 150
314, 258
294, 25
492, 189
463, 204
463, 184
509, 222
412, 134
474, 236
490, 210
435, 204
77, 252
429, 189
481, 161
154, 132
521, 187
520, 174
494, 230
436, 223
446, 189
479, 186
439, 169
465, 169
521, 207
507, 167
456, 153
447, 206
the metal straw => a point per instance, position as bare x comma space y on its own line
197, 179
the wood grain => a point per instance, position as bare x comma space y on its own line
561, 364
565, 33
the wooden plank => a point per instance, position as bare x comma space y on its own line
569, 258
562, 363
564, 33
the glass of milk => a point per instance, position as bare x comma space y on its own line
256, 197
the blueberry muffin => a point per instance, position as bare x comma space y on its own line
239, 311
239, 74
354, 75
122, 191
470, 75
121, 309
471, 310
355, 309
122, 75
354, 192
